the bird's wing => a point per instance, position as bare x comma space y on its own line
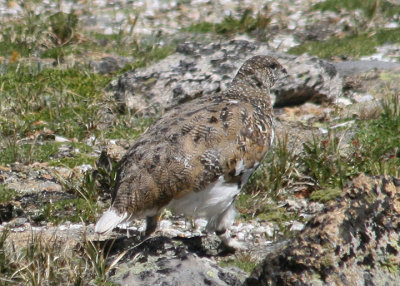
187, 150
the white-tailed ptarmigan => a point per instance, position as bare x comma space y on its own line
197, 156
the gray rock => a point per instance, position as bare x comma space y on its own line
196, 70
108, 64
353, 242
357, 67
164, 261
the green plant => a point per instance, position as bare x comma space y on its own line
5, 267
244, 261
246, 23
97, 255
276, 171
44, 261
63, 101
324, 162
352, 45
6, 194
63, 26
268, 185
23, 35
378, 140
146, 53
369, 8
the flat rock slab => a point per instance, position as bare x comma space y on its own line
162, 260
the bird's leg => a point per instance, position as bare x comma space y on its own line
151, 225
225, 221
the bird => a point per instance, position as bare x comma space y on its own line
197, 156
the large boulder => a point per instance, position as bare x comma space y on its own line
355, 241
197, 69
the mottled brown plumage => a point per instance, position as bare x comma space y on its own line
199, 152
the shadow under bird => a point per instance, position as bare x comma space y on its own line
196, 158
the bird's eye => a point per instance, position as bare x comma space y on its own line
273, 66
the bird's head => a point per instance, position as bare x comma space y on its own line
260, 72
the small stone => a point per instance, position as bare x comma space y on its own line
363, 97
296, 204
61, 139
343, 101
297, 226
165, 224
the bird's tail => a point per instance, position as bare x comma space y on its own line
109, 220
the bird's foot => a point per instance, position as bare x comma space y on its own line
229, 242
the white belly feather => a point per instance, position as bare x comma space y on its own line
208, 203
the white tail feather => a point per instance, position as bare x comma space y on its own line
109, 220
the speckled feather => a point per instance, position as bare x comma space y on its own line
193, 145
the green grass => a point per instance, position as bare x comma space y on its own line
84, 207
373, 150
275, 172
50, 261
243, 262
368, 7
34, 32
64, 101
353, 46
128, 129
325, 166
6, 194
379, 141
73, 210
230, 25
149, 52
45, 152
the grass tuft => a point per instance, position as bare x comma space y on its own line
230, 25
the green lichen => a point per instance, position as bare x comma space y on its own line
391, 264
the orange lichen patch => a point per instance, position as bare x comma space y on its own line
14, 56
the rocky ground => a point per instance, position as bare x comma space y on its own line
295, 237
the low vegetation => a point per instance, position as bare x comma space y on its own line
245, 23
353, 45
361, 36
325, 165
49, 261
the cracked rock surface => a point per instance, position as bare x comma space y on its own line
201, 69
353, 242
